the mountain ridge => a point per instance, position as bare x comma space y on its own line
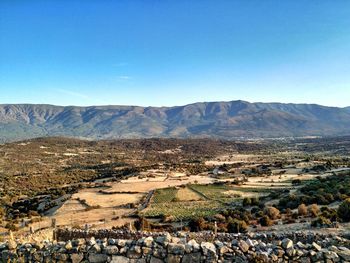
227, 120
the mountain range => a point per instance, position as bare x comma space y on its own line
227, 120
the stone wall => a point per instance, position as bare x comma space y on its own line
124, 246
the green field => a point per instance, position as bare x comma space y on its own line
164, 195
183, 210
214, 199
215, 192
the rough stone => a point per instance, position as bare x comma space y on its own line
316, 246
243, 246
134, 252
120, 259
12, 245
121, 243
111, 250
176, 249
173, 258
98, 258
77, 258
344, 254
192, 258
156, 260
148, 241
160, 252
287, 243
208, 248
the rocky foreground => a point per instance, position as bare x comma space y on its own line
185, 248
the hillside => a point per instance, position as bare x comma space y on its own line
227, 120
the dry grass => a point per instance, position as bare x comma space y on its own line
186, 194
142, 185
94, 198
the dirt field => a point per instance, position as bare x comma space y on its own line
94, 198
236, 158
144, 185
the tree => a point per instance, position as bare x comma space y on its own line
302, 210
344, 211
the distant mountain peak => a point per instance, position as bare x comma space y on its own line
228, 120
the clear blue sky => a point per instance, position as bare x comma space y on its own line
88, 52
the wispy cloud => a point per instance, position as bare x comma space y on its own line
73, 93
124, 77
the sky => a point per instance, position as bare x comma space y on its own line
166, 53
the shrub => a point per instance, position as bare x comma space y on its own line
219, 218
198, 224
313, 210
296, 181
237, 226
289, 212
33, 213
246, 201
255, 201
11, 226
265, 221
330, 213
272, 212
302, 210
321, 222
344, 210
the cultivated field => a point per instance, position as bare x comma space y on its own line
176, 184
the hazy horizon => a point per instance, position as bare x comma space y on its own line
169, 106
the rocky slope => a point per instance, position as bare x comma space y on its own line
233, 119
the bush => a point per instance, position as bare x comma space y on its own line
330, 213
344, 211
313, 210
296, 182
255, 201
272, 212
33, 213
219, 218
302, 210
237, 226
11, 226
246, 201
321, 222
265, 221
198, 224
